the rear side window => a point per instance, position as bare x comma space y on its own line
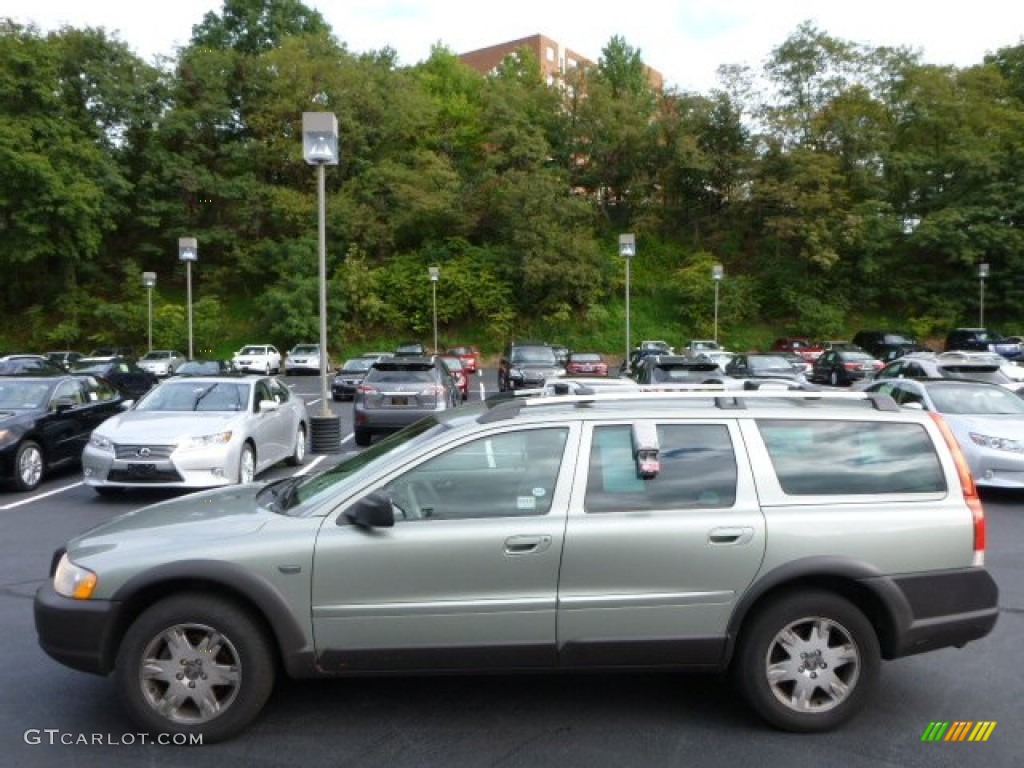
835, 458
698, 469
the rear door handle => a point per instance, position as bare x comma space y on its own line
737, 535
526, 545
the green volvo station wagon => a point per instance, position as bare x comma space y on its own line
795, 539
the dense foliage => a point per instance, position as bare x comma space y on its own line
841, 182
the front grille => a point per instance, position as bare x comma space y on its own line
152, 476
143, 452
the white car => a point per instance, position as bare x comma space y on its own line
198, 432
303, 358
162, 362
257, 358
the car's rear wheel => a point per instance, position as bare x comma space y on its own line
299, 450
361, 437
807, 661
247, 464
108, 490
195, 664
28, 466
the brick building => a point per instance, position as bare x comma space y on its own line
554, 58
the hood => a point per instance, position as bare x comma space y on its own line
156, 427
200, 517
1009, 425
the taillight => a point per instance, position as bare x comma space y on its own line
969, 488
851, 366
366, 389
432, 389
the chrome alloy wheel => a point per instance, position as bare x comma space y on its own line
812, 665
189, 673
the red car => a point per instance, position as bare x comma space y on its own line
469, 355
459, 373
803, 347
586, 364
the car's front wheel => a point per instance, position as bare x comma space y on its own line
299, 450
28, 466
247, 465
807, 661
362, 437
195, 664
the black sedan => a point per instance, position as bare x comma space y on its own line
45, 422
842, 367
119, 371
757, 368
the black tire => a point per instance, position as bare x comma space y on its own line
847, 656
241, 656
299, 451
361, 437
108, 490
29, 466
247, 458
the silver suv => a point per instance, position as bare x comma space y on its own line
793, 538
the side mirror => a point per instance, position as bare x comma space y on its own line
371, 511
269, 405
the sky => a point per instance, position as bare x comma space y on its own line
687, 40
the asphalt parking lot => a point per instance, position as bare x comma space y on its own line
53, 716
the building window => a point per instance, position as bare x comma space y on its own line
551, 53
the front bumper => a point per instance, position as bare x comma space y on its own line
207, 467
81, 634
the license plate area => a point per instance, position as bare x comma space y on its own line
142, 469
399, 400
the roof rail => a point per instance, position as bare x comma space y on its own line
724, 399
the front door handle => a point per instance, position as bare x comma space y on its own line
738, 535
527, 545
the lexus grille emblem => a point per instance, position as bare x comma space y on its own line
143, 452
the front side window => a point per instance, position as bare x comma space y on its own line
852, 457
512, 474
697, 469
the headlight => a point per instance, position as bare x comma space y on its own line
997, 443
221, 438
72, 580
101, 443
515, 373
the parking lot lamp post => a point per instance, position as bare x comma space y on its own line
435, 274
320, 148
188, 251
982, 274
149, 280
717, 273
627, 250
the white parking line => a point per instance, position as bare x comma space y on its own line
39, 496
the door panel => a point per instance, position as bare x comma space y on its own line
467, 576
649, 562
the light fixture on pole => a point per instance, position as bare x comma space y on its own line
717, 273
435, 274
982, 274
320, 148
627, 250
149, 280
188, 251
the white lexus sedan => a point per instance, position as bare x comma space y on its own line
198, 433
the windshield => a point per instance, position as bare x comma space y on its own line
769, 364
359, 364
392, 447
253, 351
534, 356
306, 349
197, 396
156, 355
966, 399
21, 395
